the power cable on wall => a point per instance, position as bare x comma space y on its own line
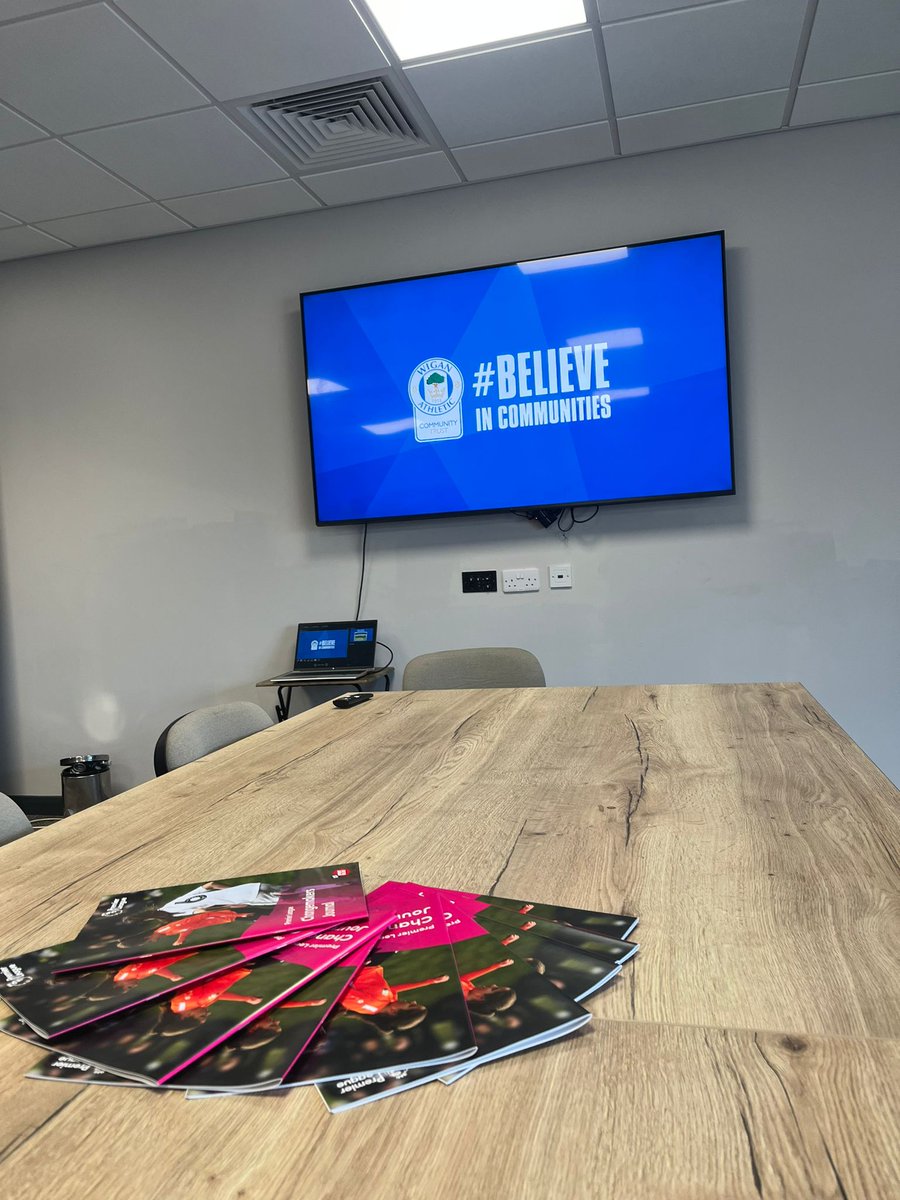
362, 577
565, 526
362, 570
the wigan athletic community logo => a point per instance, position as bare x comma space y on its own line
435, 389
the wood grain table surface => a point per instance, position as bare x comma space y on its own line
752, 1049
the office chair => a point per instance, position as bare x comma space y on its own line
482, 667
13, 822
205, 730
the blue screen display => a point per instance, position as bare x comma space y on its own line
593, 377
313, 644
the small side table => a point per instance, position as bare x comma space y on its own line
285, 690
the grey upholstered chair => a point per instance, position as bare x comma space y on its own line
482, 667
207, 729
13, 822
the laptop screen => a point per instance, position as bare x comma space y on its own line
338, 645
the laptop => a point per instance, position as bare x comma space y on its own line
326, 650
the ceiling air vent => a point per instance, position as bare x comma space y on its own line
339, 126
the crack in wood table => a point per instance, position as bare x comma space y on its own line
751, 1050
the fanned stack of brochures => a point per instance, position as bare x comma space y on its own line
299, 978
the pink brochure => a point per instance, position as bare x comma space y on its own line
156, 1042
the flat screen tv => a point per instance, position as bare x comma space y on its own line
592, 378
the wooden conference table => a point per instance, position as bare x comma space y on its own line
751, 1050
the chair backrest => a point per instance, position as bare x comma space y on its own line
207, 729
482, 667
13, 822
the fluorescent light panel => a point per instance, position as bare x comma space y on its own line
420, 28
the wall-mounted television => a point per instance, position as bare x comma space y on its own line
591, 378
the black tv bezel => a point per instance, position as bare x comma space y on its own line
547, 504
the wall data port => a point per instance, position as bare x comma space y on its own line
479, 581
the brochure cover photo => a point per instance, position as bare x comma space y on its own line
576, 975
612, 950
511, 1007
157, 1041
405, 1006
162, 921
262, 1053
56, 1004
615, 925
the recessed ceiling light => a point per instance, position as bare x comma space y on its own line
418, 28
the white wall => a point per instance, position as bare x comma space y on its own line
158, 541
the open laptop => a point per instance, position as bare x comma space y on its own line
338, 650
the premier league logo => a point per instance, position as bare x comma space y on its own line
435, 390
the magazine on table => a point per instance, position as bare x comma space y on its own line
57, 1004
162, 921
260, 1055
14, 1026
404, 1008
156, 1042
576, 975
72, 1070
612, 950
511, 1007
614, 925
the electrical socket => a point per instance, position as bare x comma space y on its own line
522, 579
560, 575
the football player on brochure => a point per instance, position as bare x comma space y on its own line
261, 1054
405, 1007
511, 1006
162, 921
158, 1041
58, 1004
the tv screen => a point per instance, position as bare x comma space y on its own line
587, 379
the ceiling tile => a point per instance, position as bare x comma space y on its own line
47, 180
23, 242
846, 99
419, 31
710, 122
549, 84
731, 49
378, 180
852, 37
9, 9
6, 221
622, 10
199, 151
15, 129
117, 225
86, 67
244, 204
235, 48
536, 152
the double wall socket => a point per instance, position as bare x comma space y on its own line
522, 579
